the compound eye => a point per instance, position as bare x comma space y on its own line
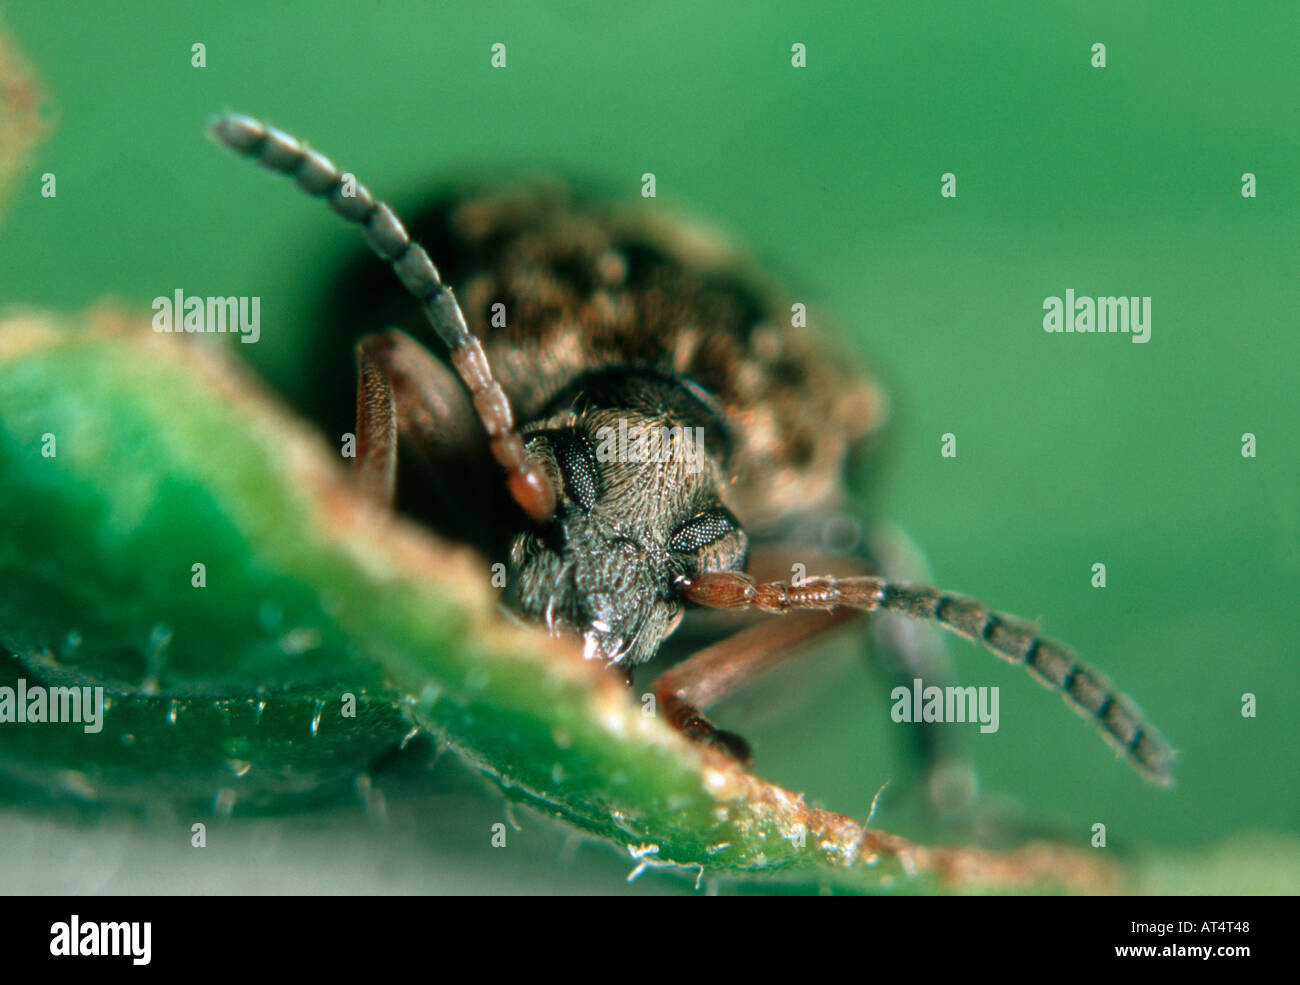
702, 530
578, 466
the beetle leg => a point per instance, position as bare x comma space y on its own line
684, 691
402, 389
376, 463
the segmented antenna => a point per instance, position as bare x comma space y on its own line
1054, 665
317, 176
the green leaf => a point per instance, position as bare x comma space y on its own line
128, 457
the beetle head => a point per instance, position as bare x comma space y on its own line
638, 507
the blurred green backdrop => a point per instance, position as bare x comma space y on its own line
1071, 449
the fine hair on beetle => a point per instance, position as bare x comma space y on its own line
655, 432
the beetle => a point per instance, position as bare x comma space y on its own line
580, 328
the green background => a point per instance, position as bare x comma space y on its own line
1071, 449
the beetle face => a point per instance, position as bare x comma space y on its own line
638, 508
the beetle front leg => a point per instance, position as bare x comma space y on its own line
376, 463
404, 390
686, 690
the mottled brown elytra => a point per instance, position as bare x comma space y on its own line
671, 439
